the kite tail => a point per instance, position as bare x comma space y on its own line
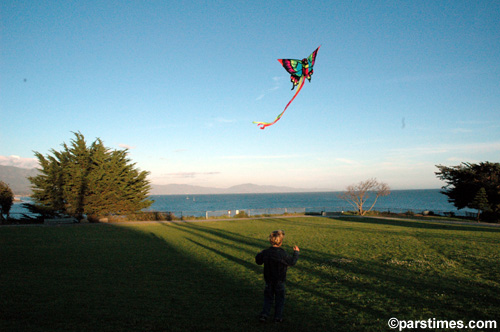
263, 125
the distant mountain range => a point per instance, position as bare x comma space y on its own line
247, 188
17, 179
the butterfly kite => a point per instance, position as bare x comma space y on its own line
299, 70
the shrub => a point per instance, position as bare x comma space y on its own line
6, 199
151, 216
241, 214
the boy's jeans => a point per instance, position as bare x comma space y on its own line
274, 292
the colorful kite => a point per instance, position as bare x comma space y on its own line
299, 70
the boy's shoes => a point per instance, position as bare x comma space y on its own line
263, 319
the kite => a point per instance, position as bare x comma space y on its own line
299, 71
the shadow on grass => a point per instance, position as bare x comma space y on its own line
116, 278
400, 286
367, 292
421, 224
233, 238
192, 277
108, 278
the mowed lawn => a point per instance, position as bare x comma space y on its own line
353, 275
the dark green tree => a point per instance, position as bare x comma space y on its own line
463, 183
480, 202
89, 180
6, 199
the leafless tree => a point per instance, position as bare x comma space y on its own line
358, 194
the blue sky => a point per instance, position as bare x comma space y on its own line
398, 87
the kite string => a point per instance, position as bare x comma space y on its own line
266, 124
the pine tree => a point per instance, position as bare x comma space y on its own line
6, 199
480, 202
464, 181
89, 180
48, 186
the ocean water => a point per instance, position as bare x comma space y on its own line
198, 205
397, 201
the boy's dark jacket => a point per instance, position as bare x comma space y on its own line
276, 262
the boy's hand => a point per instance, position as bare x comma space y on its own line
295, 248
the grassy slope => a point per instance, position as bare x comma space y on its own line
353, 275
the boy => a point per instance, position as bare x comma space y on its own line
276, 262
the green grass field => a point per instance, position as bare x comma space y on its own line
353, 275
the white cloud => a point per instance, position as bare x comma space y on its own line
480, 147
126, 146
218, 120
347, 161
189, 175
18, 161
261, 157
443, 149
276, 86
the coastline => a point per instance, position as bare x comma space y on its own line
177, 189
417, 201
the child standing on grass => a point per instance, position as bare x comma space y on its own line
276, 261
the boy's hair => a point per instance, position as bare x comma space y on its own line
276, 238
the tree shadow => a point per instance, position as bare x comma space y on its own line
420, 224
305, 317
243, 262
116, 278
392, 287
160, 278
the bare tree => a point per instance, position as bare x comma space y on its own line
358, 194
